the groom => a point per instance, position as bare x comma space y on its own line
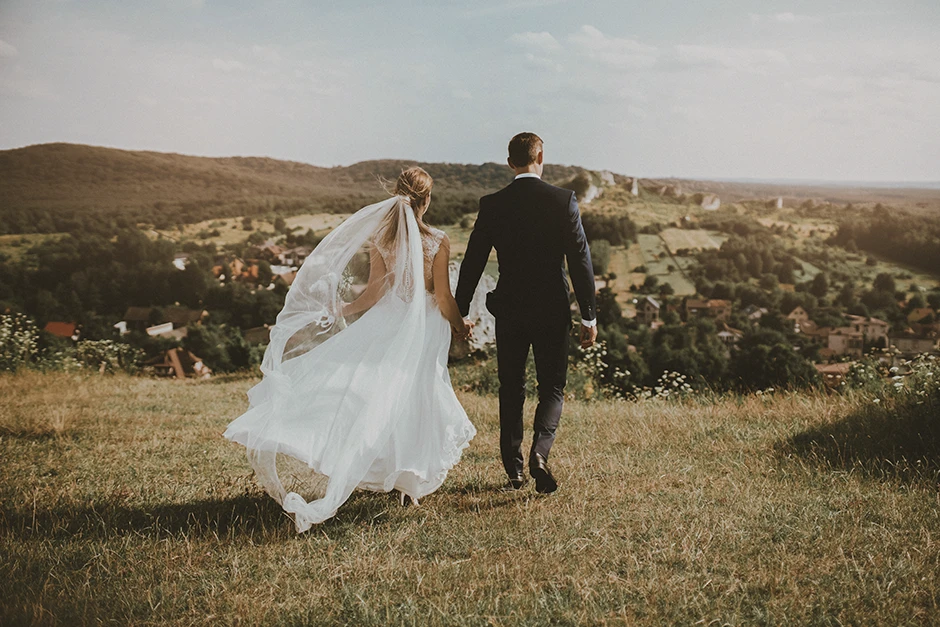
533, 226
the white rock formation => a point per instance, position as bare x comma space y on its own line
710, 202
635, 189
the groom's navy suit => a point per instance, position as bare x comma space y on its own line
533, 226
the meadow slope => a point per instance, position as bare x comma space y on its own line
122, 504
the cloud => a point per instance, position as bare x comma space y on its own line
228, 66
784, 18
541, 41
461, 94
751, 60
613, 51
543, 63
7, 51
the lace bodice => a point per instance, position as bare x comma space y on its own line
430, 245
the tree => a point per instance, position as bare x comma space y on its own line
600, 256
764, 359
650, 283
820, 285
884, 282
280, 225
608, 309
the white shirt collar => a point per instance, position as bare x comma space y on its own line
528, 175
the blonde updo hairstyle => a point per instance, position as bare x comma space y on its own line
415, 184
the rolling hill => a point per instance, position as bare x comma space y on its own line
58, 187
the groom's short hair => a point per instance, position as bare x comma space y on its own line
524, 149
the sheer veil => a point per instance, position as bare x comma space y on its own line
331, 403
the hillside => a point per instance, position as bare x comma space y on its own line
122, 504
59, 187
46, 187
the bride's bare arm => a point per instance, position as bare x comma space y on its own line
375, 287
445, 300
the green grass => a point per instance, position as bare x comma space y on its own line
122, 504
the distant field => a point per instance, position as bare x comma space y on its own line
803, 227
691, 239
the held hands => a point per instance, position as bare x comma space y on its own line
588, 336
464, 331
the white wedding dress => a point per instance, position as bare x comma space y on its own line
363, 404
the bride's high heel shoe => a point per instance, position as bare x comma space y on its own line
406, 500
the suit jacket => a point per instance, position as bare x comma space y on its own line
534, 227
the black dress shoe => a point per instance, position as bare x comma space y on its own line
544, 481
513, 484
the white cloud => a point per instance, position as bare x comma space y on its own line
461, 94
228, 66
543, 63
784, 18
613, 51
543, 41
7, 51
750, 60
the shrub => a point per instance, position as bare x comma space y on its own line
19, 341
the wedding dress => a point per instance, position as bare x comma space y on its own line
363, 403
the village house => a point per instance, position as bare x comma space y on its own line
875, 331
910, 342
228, 268
63, 329
816, 335
798, 317
294, 257
754, 313
921, 313
286, 278
713, 308
729, 336
647, 310
257, 335
833, 375
146, 318
846, 341
180, 364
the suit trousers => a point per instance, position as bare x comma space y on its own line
547, 335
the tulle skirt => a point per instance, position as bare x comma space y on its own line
359, 415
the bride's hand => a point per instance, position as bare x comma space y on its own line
463, 331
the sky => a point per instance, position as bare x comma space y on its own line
824, 90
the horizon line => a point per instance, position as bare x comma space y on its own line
926, 184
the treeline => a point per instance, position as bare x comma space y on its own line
757, 255
894, 234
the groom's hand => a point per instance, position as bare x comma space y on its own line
588, 335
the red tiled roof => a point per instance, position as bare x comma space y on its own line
60, 329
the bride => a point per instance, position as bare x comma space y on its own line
358, 392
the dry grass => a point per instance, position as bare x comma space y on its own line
139, 512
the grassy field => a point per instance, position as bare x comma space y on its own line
122, 504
